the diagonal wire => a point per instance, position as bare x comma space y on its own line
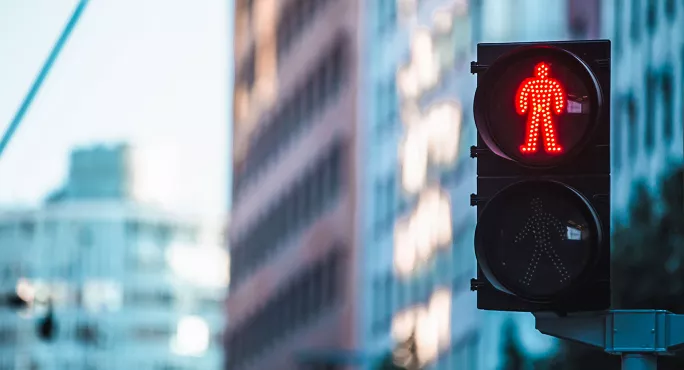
26, 103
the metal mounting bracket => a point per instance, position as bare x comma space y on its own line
638, 336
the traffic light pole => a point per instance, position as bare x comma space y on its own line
638, 336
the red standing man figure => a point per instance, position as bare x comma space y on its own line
540, 95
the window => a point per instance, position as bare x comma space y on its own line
296, 113
85, 236
386, 15
671, 10
8, 335
138, 299
652, 15
301, 301
308, 198
617, 37
681, 88
152, 333
382, 303
650, 121
86, 334
27, 227
633, 134
249, 5
294, 19
618, 120
249, 70
668, 104
387, 106
635, 24
378, 305
385, 203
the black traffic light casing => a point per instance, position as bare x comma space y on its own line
586, 170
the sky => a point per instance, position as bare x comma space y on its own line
154, 73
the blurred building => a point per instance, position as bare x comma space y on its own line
647, 92
418, 223
417, 178
352, 130
131, 286
292, 302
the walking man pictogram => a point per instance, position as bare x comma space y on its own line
540, 225
540, 95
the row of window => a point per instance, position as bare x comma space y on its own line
386, 15
8, 336
659, 97
388, 203
308, 296
320, 88
636, 13
91, 334
387, 106
294, 20
150, 299
453, 267
302, 204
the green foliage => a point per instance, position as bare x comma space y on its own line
513, 355
647, 270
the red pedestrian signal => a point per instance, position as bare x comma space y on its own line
540, 96
540, 106
542, 240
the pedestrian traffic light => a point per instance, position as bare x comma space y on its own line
542, 112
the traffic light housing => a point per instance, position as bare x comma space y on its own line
542, 112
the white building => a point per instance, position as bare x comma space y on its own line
132, 286
417, 107
647, 93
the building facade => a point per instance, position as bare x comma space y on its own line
648, 93
417, 136
292, 302
352, 131
130, 286
418, 99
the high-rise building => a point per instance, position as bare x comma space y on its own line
293, 298
648, 92
131, 286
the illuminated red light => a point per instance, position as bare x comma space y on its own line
540, 95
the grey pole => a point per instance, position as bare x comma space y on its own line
638, 336
639, 361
